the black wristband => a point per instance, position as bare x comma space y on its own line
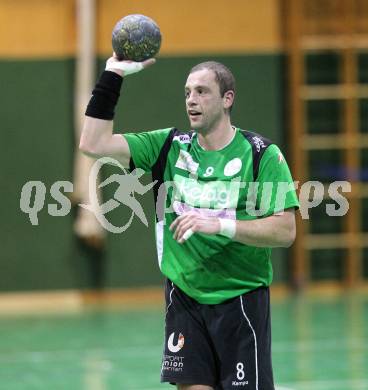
105, 96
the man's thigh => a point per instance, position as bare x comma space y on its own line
188, 356
240, 330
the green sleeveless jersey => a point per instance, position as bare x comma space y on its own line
247, 179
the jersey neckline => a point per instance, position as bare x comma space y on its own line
202, 149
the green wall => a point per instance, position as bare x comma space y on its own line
37, 144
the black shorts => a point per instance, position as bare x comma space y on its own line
226, 346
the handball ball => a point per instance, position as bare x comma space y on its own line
136, 37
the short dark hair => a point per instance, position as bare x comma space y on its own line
223, 75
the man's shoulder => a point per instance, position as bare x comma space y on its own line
258, 142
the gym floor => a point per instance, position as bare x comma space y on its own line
319, 343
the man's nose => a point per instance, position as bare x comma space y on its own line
191, 100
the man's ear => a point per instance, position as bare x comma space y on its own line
228, 99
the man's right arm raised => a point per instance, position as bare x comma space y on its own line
97, 138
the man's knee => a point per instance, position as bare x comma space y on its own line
194, 387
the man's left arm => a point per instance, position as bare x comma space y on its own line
276, 230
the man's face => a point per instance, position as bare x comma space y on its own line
204, 104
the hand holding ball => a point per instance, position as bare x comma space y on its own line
136, 38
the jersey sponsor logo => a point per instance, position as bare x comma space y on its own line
239, 383
183, 138
213, 194
170, 343
185, 161
258, 142
233, 167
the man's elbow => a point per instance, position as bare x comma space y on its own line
289, 237
86, 148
